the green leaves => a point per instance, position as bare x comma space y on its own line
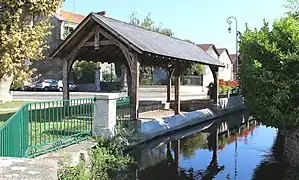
268, 72
21, 38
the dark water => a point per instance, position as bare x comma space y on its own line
233, 147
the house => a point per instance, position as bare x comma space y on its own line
227, 72
223, 56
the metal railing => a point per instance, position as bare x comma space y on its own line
123, 109
41, 127
13, 134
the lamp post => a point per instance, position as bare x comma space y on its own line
229, 21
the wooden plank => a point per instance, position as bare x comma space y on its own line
100, 43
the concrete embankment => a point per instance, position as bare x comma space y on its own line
162, 126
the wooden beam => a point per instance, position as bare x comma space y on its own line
99, 43
169, 75
74, 52
96, 39
109, 36
177, 88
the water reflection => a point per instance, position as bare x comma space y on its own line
234, 147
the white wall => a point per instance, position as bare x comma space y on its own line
225, 73
208, 76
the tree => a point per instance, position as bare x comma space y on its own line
269, 72
83, 71
293, 7
22, 31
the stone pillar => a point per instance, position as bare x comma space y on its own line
97, 79
123, 78
104, 115
177, 88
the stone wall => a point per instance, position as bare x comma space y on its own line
291, 146
50, 68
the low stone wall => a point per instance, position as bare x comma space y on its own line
231, 102
158, 127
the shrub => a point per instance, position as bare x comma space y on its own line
107, 163
227, 86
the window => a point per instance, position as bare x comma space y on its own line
67, 31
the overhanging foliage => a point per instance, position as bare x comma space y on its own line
269, 72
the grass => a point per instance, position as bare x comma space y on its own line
12, 104
4, 116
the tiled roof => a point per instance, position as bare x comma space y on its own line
233, 58
205, 47
221, 50
70, 16
142, 40
153, 42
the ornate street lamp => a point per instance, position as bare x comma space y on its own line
229, 21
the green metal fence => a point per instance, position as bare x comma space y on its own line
13, 134
123, 108
41, 127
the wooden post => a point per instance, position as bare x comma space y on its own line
65, 80
129, 80
177, 88
215, 72
168, 98
169, 75
134, 95
177, 156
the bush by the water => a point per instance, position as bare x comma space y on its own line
107, 161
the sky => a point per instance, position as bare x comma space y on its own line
201, 21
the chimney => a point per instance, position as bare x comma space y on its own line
58, 11
101, 13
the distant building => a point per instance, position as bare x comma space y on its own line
233, 58
222, 55
207, 74
225, 73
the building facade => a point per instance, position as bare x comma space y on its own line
222, 55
